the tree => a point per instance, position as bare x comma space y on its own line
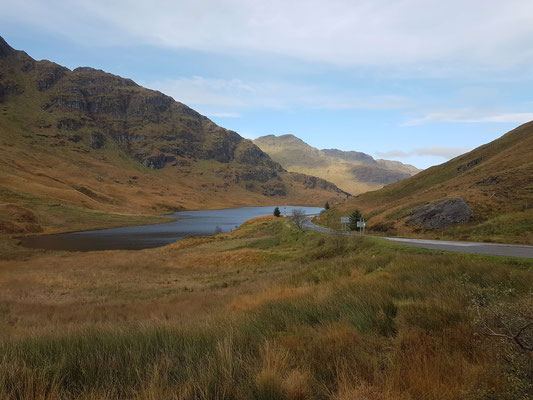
354, 219
298, 218
326, 206
277, 213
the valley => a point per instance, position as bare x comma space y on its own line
148, 253
82, 148
352, 171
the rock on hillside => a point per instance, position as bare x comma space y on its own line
441, 214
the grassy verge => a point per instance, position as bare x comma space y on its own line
265, 312
512, 227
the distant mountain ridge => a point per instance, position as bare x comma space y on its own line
354, 172
89, 139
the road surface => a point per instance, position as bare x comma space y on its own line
495, 249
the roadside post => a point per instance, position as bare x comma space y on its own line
345, 221
361, 225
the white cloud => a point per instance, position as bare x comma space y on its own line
201, 91
446, 152
236, 94
446, 35
471, 116
224, 115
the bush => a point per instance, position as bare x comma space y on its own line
298, 218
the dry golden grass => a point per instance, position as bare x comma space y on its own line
264, 312
69, 196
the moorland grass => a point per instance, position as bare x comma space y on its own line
315, 317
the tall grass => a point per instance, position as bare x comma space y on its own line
346, 319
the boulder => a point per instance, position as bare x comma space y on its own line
441, 214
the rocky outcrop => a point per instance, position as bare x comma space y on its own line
9, 88
312, 182
258, 174
441, 214
96, 92
491, 180
274, 189
97, 141
350, 156
249, 154
469, 165
50, 74
5, 49
366, 173
69, 124
125, 138
158, 162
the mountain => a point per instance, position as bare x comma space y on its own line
486, 194
352, 171
79, 140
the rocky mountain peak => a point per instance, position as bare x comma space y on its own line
103, 118
5, 49
283, 140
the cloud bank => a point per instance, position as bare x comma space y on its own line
471, 117
427, 33
446, 152
239, 94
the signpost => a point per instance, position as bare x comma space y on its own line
345, 221
361, 225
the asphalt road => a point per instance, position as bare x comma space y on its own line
495, 249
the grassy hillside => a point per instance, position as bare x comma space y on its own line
352, 171
264, 312
73, 141
496, 180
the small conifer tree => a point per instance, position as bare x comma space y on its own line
354, 219
277, 213
326, 206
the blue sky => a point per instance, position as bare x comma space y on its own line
418, 81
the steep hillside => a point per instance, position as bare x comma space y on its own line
352, 171
495, 180
73, 141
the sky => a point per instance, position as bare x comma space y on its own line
419, 81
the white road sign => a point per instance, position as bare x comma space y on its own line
360, 224
345, 220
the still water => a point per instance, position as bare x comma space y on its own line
189, 223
